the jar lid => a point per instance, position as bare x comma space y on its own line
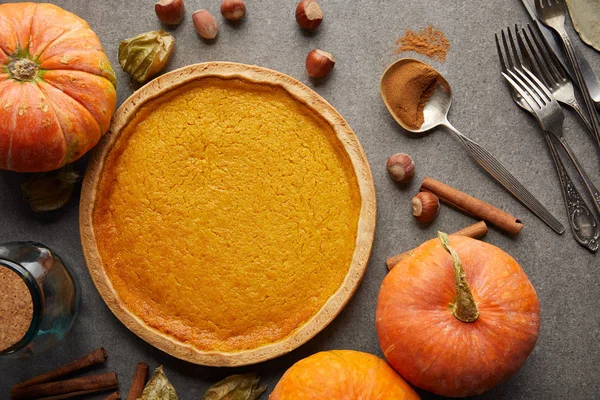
20, 307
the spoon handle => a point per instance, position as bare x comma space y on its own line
506, 179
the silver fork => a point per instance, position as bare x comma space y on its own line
550, 116
552, 14
592, 81
581, 220
544, 64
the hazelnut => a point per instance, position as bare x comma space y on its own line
400, 167
309, 14
170, 12
205, 24
425, 206
233, 10
319, 63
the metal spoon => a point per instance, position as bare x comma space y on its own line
436, 114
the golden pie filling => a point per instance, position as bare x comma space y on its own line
227, 214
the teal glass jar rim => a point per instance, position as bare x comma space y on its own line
37, 300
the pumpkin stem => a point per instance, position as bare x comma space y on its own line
23, 69
465, 308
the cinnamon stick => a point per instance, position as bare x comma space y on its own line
473, 206
72, 394
475, 231
114, 396
67, 388
139, 380
97, 356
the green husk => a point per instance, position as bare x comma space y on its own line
159, 387
236, 387
146, 55
48, 191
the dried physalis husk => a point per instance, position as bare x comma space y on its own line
146, 55
585, 15
236, 387
48, 191
159, 387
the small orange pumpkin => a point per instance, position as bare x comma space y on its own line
453, 331
342, 375
57, 87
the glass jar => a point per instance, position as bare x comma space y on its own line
54, 295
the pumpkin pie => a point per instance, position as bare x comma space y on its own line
228, 216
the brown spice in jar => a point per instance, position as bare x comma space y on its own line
429, 41
408, 89
16, 308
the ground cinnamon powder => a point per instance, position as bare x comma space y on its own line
16, 308
429, 41
408, 89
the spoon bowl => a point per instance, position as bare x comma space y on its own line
437, 107
435, 113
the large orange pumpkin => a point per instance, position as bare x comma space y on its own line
457, 331
57, 88
342, 375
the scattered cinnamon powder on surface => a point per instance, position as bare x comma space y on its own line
429, 41
408, 89
16, 308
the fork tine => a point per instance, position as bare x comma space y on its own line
505, 49
517, 55
540, 70
509, 58
540, 89
536, 64
529, 61
549, 57
505, 58
521, 88
539, 85
525, 61
500, 54
517, 76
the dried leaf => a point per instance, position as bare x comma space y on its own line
48, 191
159, 387
585, 15
257, 391
236, 387
146, 55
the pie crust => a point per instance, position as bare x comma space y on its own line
364, 233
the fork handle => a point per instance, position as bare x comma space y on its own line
582, 221
587, 97
594, 192
502, 175
576, 106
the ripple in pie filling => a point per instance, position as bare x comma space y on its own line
227, 214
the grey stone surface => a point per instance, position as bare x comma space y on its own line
361, 34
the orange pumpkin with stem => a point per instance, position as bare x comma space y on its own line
57, 87
457, 331
342, 375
